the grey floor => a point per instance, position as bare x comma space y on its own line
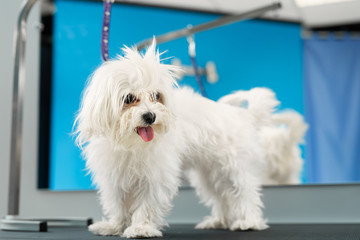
180, 232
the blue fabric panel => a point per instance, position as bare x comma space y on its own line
247, 54
332, 93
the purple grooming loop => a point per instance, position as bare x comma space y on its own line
105, 30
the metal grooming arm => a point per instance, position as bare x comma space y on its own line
12, 222
209, 25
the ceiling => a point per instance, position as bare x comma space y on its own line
310, 13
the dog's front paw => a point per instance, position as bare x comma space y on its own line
211, 223
250, 224
141, 231
105, 228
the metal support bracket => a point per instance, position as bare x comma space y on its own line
209, 71
222, 21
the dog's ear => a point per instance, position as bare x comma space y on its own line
99, 106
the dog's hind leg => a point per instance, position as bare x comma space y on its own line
217, 220
209, 196
244, 199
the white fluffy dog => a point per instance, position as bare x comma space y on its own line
280, 140
137, 131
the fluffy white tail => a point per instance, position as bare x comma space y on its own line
261, 102
281, 144
295, 123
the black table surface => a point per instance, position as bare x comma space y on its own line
179, 232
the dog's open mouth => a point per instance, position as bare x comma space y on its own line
146, 133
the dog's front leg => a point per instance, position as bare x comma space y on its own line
151, 205
115, 211
112, 227
143, 222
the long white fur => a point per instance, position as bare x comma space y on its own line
216, 144
280, 138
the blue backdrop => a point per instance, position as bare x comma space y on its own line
332, 90
247, 54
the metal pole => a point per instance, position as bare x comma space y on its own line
12, 222
209, 25
17, 108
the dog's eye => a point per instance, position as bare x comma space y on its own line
129, 98
156, 96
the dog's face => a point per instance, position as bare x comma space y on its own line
128, 100
144, 116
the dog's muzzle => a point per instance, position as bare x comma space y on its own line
147, 132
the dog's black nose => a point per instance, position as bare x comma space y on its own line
149, 117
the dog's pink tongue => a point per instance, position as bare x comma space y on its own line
146, 133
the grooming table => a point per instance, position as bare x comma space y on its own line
180, 232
